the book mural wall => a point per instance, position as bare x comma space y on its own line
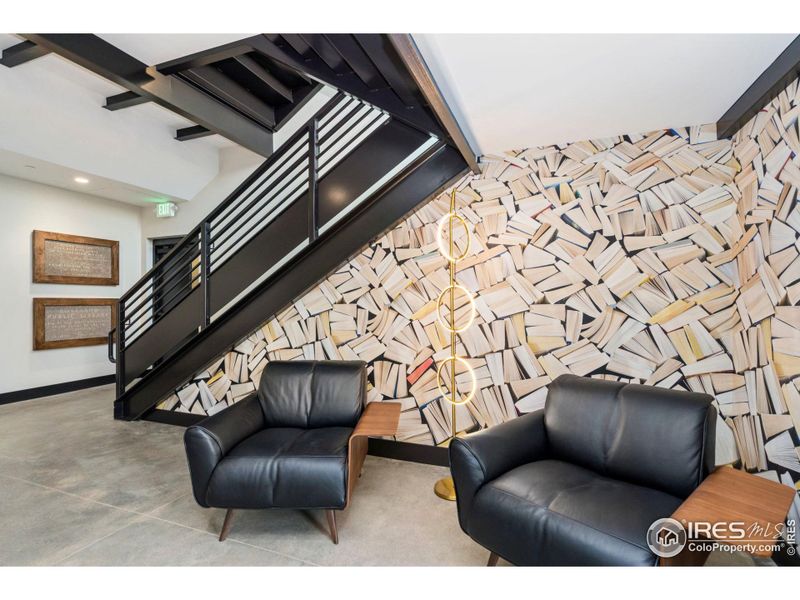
668, 258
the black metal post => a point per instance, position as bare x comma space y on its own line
313, 188
205, 271
120, 348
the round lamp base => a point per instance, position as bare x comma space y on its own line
445, 489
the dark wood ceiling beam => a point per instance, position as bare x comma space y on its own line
783, 70
227, 90
268, 78
410, 55
21, 53
192, 133
124, 100
204, 57
106, 60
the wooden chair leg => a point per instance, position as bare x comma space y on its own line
226, 525
492, 560
331, 514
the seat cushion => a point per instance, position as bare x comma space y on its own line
555, 513
284, 468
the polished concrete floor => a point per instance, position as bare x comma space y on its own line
78, 488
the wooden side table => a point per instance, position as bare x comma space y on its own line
378, 418
728, 495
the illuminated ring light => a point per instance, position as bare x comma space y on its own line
445, 220
443, 391
442, 322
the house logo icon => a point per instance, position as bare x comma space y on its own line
666, 537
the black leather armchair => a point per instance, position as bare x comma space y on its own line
298, 442
580, 482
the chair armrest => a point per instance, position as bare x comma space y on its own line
378, 418
483, 456
212, 438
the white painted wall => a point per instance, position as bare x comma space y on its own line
235, 165
26, 206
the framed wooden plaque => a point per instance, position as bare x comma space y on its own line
64, 258
72, 322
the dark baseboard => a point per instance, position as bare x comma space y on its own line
419, 453
56, 388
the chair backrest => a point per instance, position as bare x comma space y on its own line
310, 394
650, 436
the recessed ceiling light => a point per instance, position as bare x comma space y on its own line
81, 180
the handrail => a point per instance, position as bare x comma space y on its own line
232, 196
111, 345
338, 129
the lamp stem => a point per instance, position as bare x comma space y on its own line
445, 487
452, 313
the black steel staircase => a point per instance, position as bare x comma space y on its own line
346, 176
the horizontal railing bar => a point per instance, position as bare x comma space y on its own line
149, 301
344, 123
217, 230
262, 181
350, 111
265, 197
346, 140
289, 191
323, 120
333, 156
148, 314
219, 252
176, 299
269, 162
346, 127
144, 278
173, 270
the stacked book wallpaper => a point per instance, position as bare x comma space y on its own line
668, 258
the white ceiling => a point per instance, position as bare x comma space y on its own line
49, 173
513, 91
52, 118
53, 127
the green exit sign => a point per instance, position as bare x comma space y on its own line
165, 210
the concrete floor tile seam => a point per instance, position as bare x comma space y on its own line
73, 495
160, 506
97, 541
106, 505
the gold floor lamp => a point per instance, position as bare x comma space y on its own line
445, 488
